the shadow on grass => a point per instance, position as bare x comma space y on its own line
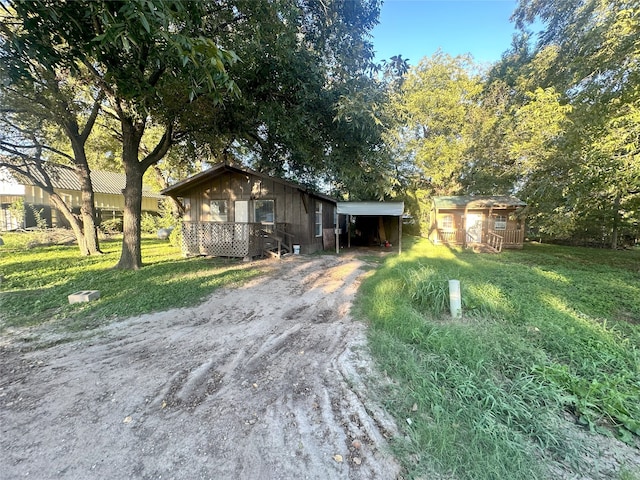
541, 334
37, 291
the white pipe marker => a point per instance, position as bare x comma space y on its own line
455, 300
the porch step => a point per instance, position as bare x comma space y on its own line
273, 251
482, 248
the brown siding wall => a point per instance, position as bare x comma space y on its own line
488, 222
289, 203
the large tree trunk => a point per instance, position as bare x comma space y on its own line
131, 255
78, 142
63, 208
88, 212
132, 131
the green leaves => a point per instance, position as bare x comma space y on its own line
439, 99
566, 123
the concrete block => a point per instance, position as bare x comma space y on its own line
84, 296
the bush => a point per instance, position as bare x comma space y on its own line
150, 223
111, 226
175, 239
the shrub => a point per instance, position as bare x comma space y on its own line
149, 223
175, 239
111, 226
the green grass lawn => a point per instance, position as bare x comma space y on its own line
546, 331
38, 280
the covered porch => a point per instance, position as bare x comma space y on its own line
486, 224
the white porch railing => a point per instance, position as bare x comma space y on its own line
222, 239
229, 239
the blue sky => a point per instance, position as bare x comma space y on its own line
417, 28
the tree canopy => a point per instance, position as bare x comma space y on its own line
555, 121
288, 87
277, 84
589, 54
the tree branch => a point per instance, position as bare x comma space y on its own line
161, 148
14, 149
97, 104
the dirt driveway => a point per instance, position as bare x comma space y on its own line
266, 381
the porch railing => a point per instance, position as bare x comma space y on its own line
226, 239
452, 237
495, 241
459, 237
277, 240
513, 237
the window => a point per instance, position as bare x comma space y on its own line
218, 210
500, 223
264, 211
318, 224
447, 222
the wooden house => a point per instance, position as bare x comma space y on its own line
237, 212
492, 222
108, 198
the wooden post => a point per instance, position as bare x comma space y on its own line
336, 227
399, 234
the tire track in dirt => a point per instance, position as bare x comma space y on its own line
266, 381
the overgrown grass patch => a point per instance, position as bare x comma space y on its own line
37, 282
546, 331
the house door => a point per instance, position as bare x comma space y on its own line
474, 227
242, 211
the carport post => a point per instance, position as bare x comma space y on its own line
399, 234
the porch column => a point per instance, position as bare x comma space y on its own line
399, 234
336, 227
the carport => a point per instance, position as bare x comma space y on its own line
379, 221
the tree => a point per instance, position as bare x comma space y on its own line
588, 53
437, 104
309, 109
172, 65
439, 98
134, 54
30, 110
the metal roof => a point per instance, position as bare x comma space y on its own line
394, 209
472, 201
103, 182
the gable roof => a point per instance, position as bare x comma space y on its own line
183, 186
472, 201
103, 182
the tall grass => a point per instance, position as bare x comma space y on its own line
546, 330
37, 281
